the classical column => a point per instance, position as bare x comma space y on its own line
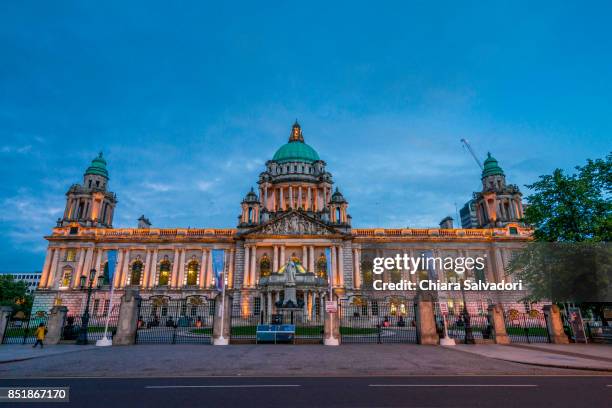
44, 277
98, 263
268, 317
290, 197
230, 269
125, 269
282, 255
275, 259
309, 204
275, 201
247, 264
118, 266
77, 276
209, 270
499, 266
53, 270
356, 272
311, 258
152, 269
175, 264
202, 278
334, 270
147, 268
181, 279
282, 202
340, 266
305, 256
300, 196
253, 269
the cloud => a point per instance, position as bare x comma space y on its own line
16, 149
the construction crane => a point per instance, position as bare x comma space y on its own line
466, 144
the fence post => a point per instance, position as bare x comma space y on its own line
55, 324
127, 322
427, 332
554, 324
5, 315
223, 312
331, 327
498, 323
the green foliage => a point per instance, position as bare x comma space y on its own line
570, 260
13, 293
573, 208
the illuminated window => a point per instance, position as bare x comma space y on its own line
66, 277
164, 272
192, 273
136, 273
265, 266
322, 267
70, 255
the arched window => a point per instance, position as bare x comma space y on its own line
265, 266
136, 272
66, 277
368, 276
322, 267
337, 214
164, 272
192, 273
250, 216
396, 275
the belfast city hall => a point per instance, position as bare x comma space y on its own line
293, 249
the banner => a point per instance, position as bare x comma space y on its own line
112, 263
218, 263
330, 274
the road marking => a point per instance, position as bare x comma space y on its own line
452, 385
225, 386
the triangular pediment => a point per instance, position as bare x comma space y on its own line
293, 223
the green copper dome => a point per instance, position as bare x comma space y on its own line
296, 149
98, 167
491, 167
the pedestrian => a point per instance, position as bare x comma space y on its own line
40, 333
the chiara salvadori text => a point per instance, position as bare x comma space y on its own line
438, 285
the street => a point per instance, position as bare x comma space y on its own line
371, 391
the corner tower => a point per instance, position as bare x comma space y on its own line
90, 204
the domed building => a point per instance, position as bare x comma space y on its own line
293, 248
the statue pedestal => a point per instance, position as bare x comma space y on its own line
290, 295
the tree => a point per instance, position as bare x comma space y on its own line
573, 208
570, 259
13, 293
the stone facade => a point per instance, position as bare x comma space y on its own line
295, 215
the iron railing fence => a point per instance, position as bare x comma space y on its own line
175, 321
377, 321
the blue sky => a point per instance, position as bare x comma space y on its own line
188, 103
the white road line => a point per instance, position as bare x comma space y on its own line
224, 386
452, 385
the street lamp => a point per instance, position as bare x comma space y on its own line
82, 339
469, 336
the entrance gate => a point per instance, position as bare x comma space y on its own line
377, 321
526, 327
246, 316
21, 331
175, 321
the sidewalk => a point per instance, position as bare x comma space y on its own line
17, 352
282, 361
596, 357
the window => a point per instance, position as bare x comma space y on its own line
256, 306
192, 273
374, 308
106, 306
513, 231
322, 266
164, 272
66, 277
136, 273
96, 306
74, 230
71, 255
368, 276
265, 266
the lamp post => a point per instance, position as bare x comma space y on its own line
469, 336
82, 339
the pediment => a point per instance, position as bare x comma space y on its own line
293, 223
